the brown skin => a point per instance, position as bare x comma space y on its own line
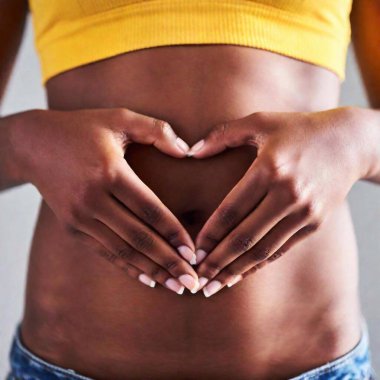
86, 314
92, 189
280, 200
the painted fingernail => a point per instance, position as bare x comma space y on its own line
236, 279
196, 147
200, 255
212, 288
147, 280
182, 145
174, 285
189, 281
202, 282
187, 254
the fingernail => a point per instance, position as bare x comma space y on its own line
196, 147
236, 279
200, 255
189, 281
212, 288
147, 280
173, 284
187, 254
202, 282
182, 145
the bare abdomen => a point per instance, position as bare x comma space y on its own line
83, 313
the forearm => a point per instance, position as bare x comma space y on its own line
10, 170
366, 123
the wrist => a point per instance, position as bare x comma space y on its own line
365, 127
16, 127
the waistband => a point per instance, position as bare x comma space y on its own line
37, 368
355, 364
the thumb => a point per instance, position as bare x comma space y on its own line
148, 130
229, 134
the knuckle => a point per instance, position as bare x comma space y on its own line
251, 271
121, 114
142, 240
157, 273
260, 116
173, 237
228, 216
152, 213
129, 269
241, 243
211, 239
74, 217
109, 174
127, 253
230, 271
261, 254
211, 269
88, 199
310, 210
172, 265
312, 227
161, 128
277, 255
294, 190
219, 131
109, 256
273, 166
72, 229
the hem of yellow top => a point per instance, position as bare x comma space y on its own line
76, 42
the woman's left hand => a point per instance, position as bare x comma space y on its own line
306, 164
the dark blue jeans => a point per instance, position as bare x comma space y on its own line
354, 365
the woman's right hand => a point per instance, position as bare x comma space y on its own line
76, 161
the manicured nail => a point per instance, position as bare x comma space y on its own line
147, 280
212, 288
189, 281
196, 147
200, 255
173, 284
182, 145
202, 282
236, 279
194, 290
187, 254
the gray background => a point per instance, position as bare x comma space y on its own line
18, 211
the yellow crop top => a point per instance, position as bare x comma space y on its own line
71, 33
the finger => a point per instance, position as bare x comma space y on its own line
96, 246
130, 229
229, 134
149, 130
263, 250
143, 202
239, 202
269, 212
297, 237
124, 255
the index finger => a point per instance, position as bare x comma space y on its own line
237, 204
128, 188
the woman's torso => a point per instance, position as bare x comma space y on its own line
296, 313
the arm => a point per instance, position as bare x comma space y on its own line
12, 22
76, 161
306, 165
365, 19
